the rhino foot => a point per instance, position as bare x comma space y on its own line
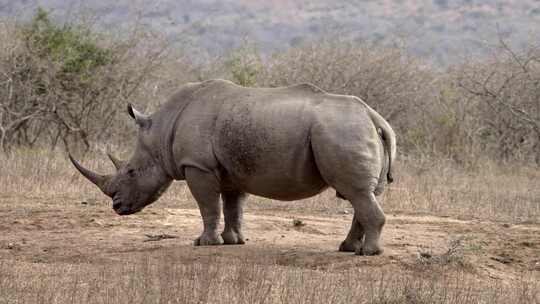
348, 246
231, 237
369, 250
208, 240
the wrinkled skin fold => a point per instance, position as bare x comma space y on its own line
284, 143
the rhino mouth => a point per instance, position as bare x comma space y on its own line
121, 209
127, 211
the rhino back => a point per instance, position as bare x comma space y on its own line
261, 139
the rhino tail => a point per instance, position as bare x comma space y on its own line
389, 139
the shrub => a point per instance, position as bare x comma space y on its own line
244, 65
67, 85
504, 93
73, 47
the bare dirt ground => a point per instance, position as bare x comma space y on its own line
49, 233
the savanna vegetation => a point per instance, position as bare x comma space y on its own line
469, 150
66, 85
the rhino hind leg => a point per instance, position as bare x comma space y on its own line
354, 239
370, 216
233, 207
204, 188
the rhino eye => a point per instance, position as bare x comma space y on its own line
131, 172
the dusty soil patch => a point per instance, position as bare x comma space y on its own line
90, 233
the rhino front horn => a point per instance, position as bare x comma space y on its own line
98, 179
116, 162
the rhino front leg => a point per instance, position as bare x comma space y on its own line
205, 189
233, 207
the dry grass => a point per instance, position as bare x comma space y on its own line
490, 191
437, 187
160, 278
39, 180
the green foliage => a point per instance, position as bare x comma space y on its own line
245, 65
64, 88
70, 46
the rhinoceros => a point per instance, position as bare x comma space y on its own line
284, 143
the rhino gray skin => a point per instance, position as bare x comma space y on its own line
285, 143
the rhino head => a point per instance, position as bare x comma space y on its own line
137, 182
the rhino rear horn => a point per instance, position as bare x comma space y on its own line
116, 162
141, 119
99, 180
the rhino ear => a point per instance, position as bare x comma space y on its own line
141, 119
